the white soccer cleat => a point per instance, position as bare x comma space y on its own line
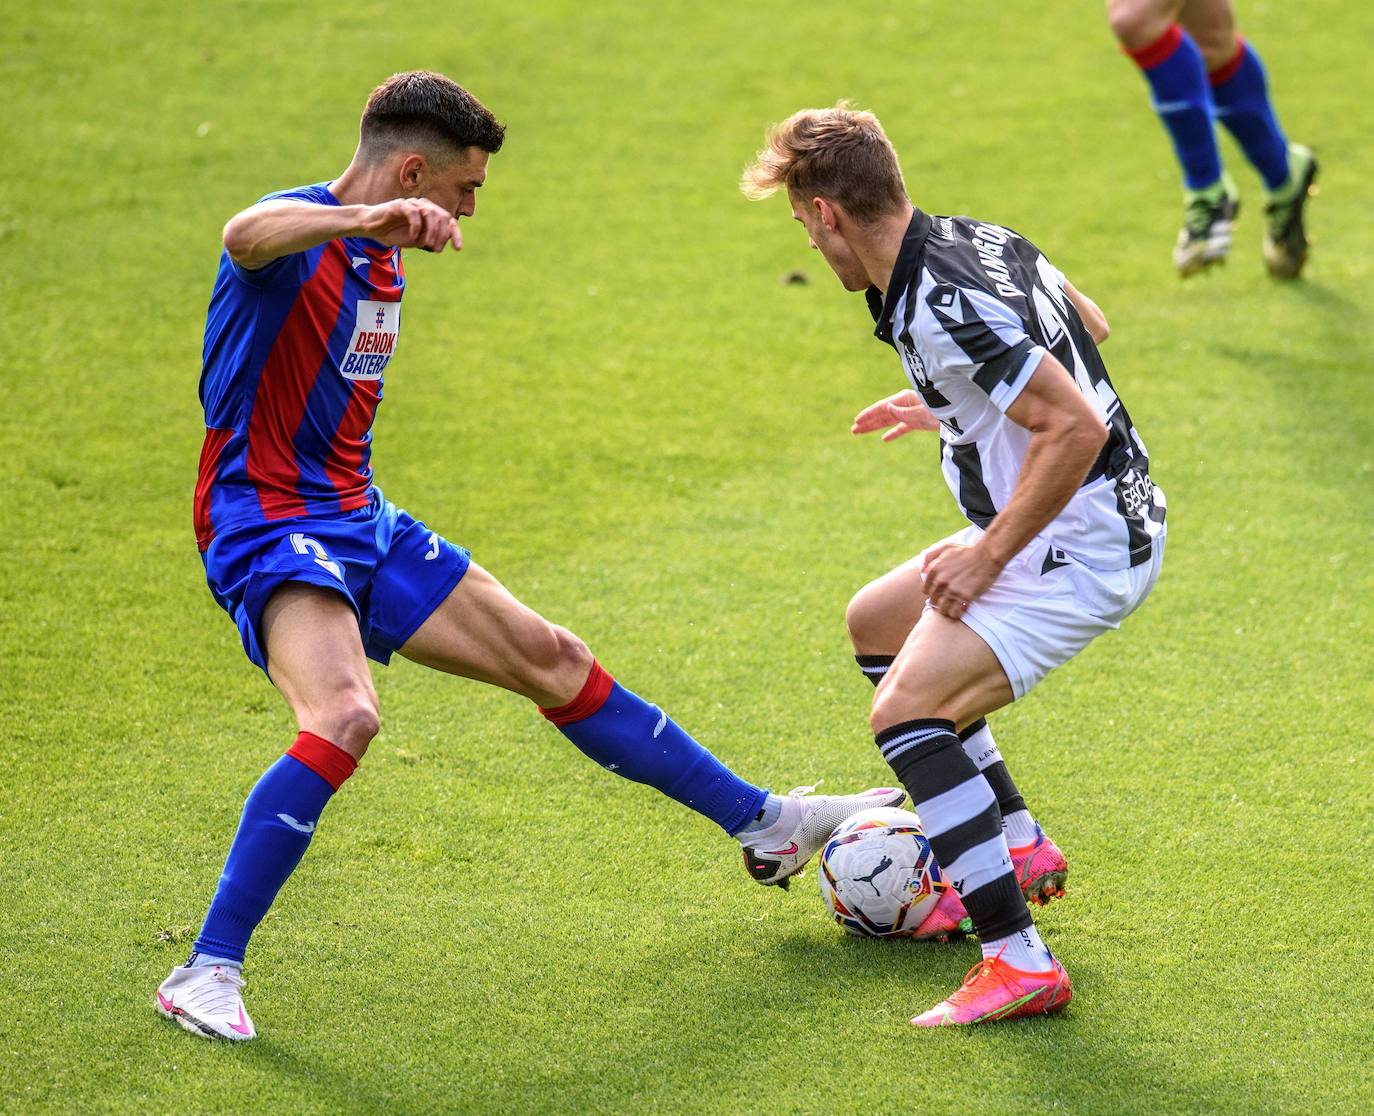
776, 854
207, 1001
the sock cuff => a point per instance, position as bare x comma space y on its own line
1227, 70
1161, 50
901, 738
875, 667
589, 699
327, 760
969, 731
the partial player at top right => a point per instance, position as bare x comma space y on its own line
1199, 68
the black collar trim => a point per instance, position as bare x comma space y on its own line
908, 262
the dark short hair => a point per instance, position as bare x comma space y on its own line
427, 110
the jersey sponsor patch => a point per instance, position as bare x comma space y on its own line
374, 340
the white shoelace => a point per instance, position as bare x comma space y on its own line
220, 996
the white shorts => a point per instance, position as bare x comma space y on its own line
1046, 606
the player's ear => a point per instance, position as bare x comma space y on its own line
826, 211
411, 171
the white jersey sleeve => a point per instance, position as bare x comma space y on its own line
971, 334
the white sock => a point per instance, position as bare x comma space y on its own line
1019, 828
204, 960
761, 830
1023, 950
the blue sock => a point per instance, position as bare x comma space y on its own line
278, 821
625, 734
1241, 95
1173, 66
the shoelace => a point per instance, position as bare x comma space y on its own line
222, 996
802, 792
987, 964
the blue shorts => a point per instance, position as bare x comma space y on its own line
389, 566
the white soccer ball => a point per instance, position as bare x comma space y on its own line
878, 876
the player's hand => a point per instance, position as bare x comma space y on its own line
412, 223
897, 415
953, 574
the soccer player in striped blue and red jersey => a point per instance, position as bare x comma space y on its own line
1199, 70
321, 572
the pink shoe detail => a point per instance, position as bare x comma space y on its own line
994, 991
947, 922
241, 1026
1041, 869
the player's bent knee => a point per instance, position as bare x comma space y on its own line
1218, 48
857, 617
352, 721
555, 663
1136, 23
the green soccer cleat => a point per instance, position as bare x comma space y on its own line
1208, 216
1285, 240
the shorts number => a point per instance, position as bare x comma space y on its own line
304, 544
433, 546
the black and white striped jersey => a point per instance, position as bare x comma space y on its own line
972, 308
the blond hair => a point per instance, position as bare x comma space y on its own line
839, 153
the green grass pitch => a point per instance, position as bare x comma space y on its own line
613, 400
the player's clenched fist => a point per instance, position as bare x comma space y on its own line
412, 223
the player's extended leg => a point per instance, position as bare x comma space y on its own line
1240, 93
880, 618
315, 657
1177, 74
944, 677
481, 631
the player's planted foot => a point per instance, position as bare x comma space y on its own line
207, 1000
948, 922
805, 822
1041, 869
994, 990
1208, 216
1285, 239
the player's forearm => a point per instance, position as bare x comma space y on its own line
266, 232
1057, 460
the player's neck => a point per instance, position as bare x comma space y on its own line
364, 184
879, 244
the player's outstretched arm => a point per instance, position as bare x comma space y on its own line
270, 230
1093, 319
896, 415
1066, 435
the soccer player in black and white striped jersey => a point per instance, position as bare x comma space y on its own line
1066, 527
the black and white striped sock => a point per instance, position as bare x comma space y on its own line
874, 666
960, 817
1017, 822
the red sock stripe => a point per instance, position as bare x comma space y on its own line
330, 762
1152, 54
589, 699
1226, 72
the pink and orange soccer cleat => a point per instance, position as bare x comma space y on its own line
947, 922
1041, 869
994, 991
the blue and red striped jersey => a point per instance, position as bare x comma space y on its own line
291, 378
